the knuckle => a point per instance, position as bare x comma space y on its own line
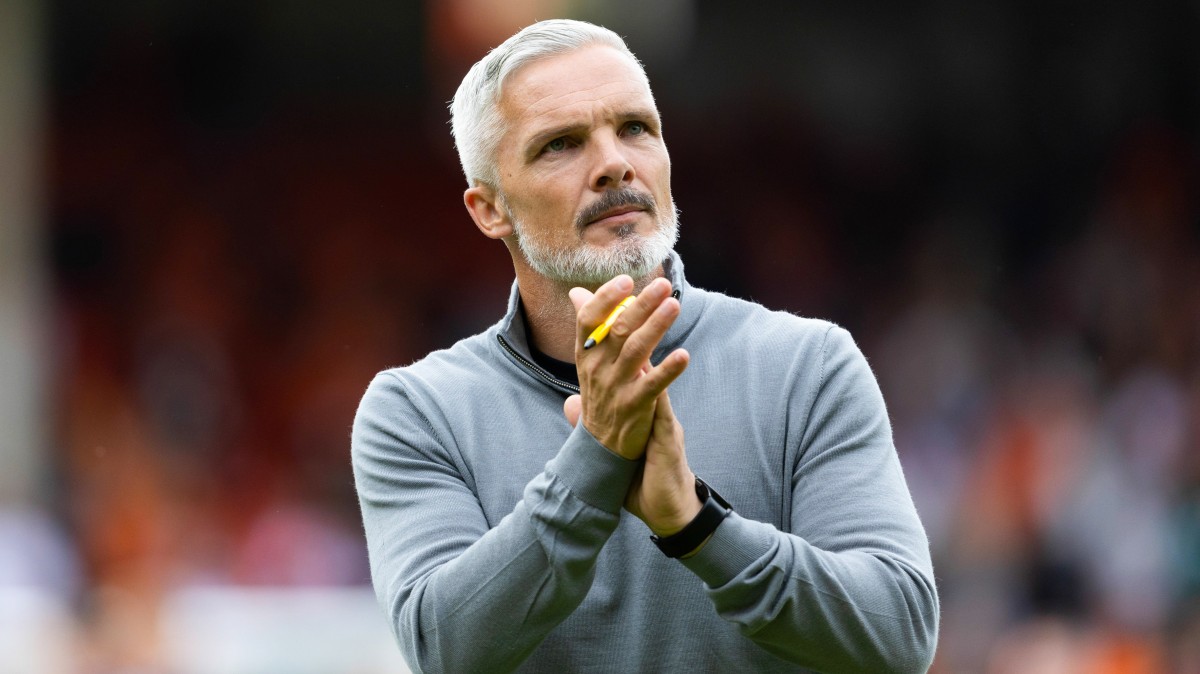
665, 316
659, 320
636, 346
653, 378
587, 368
663, 376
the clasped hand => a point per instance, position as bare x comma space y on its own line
623, 398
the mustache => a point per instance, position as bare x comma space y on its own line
625, 196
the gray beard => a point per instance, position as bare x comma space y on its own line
587, 265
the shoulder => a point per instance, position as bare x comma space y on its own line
777, 350
778, 333
422, 386
453, 367
466, 359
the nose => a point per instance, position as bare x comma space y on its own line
612, 167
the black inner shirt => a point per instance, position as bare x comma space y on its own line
559, 369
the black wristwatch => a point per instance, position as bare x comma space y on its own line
713, 511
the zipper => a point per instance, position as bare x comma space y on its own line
534, 368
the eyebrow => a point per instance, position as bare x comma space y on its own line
539, 139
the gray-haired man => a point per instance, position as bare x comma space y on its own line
529, 504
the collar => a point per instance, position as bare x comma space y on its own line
510, 331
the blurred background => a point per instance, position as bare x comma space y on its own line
219, 219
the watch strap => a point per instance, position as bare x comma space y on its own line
713, 511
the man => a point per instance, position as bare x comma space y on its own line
510, 485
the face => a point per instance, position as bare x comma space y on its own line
584, 173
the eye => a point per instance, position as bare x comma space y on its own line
635, 128
557, 145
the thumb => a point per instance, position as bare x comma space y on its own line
665, 421
572, 408
579, 297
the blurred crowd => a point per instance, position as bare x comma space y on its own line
1023, 276
1050, 433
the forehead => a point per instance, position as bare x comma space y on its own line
582, 83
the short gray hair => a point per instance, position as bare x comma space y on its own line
475, 111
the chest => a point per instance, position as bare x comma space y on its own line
743, 445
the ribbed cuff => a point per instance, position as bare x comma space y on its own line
735, 546
594, 474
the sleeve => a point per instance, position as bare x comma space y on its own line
461, 597
850, 588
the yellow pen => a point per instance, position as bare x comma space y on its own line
601, 330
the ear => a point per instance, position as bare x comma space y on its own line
483, 205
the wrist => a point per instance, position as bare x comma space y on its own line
683, 515
614, 441
681, 510
693, 536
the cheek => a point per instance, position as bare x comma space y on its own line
548, 208
656, 161
659, 178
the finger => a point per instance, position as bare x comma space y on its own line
655, 382
662, 408
665, 421
572, 408
579, 297
639, 345
651, 297
597, 308
664, 417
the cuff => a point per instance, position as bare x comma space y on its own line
591, 472
735, 546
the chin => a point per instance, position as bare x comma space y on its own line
589, 264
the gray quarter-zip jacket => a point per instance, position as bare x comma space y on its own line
498, 542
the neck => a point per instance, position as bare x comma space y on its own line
549, 311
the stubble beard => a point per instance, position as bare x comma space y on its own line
589, 265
